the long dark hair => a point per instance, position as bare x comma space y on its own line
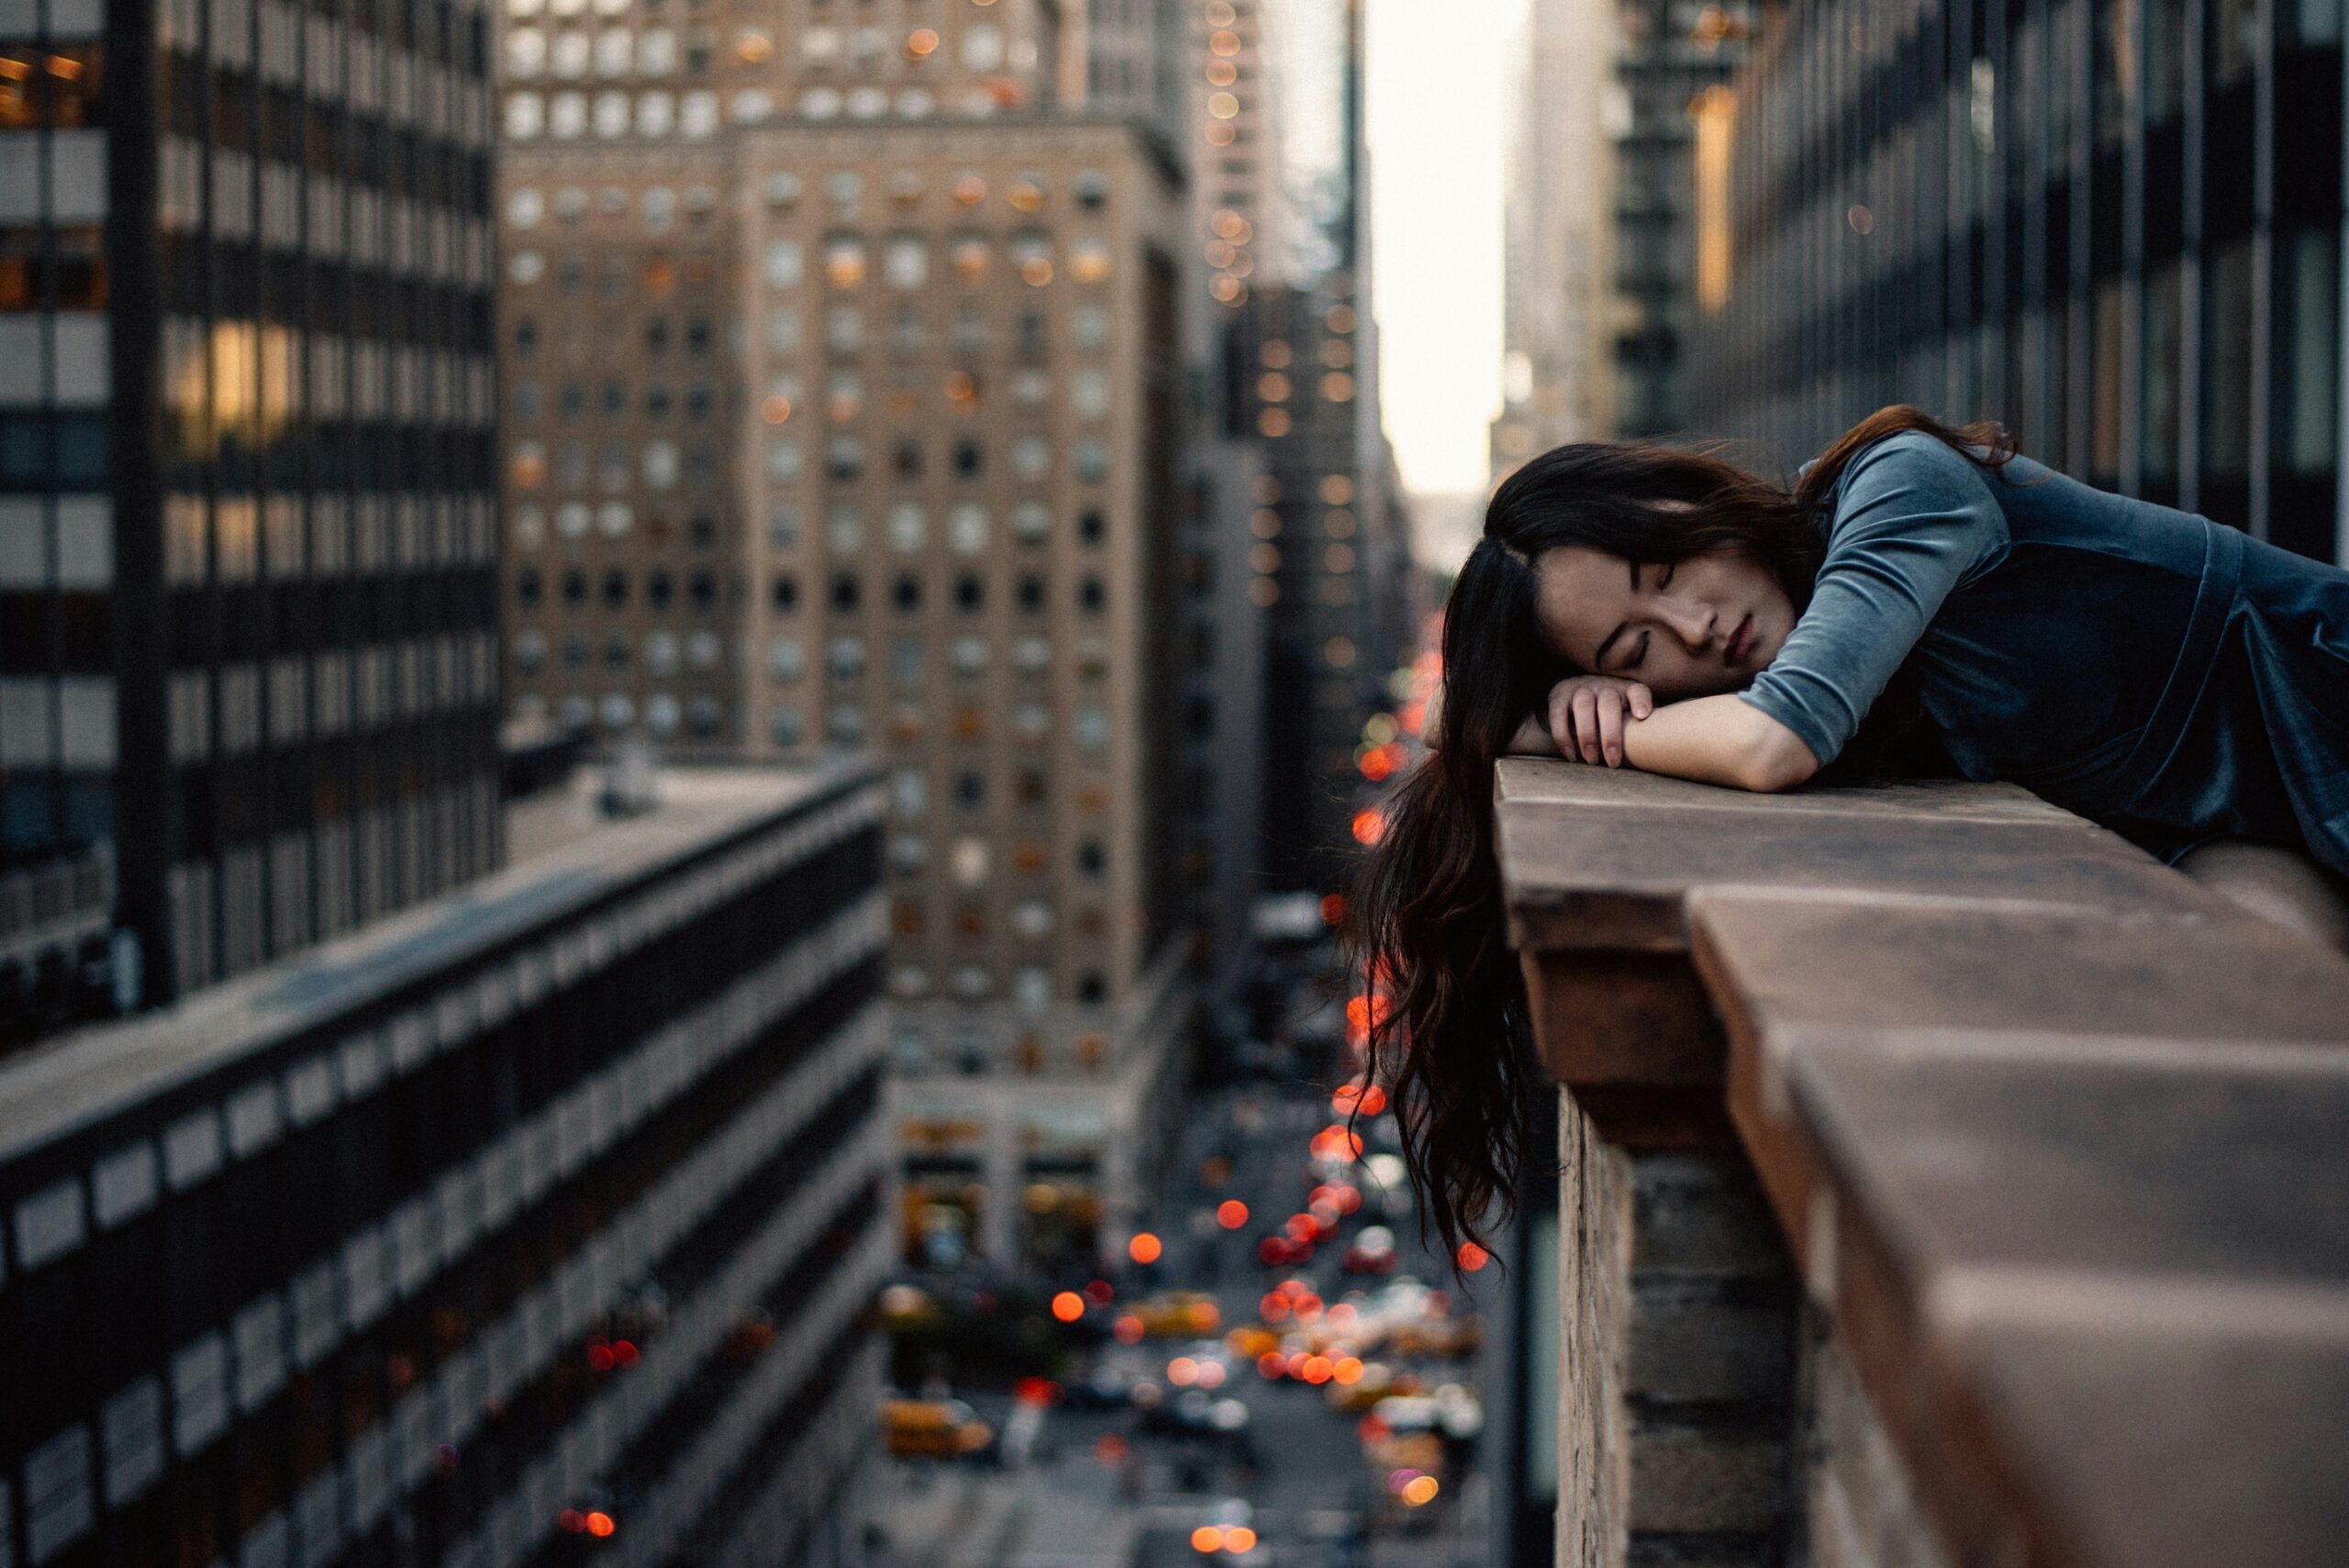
1448, 1031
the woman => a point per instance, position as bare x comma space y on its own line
1924, 601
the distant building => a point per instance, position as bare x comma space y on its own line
1558, 305
2114, 228
247, 523
844, 405
553, 1206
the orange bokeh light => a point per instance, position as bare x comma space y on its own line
1068, 1306
1239, 1538
1333, 908
1370, 825
1318, 1370
1473, 1257
1231, 1214
1206, 1537
1128, 1330
1182, 1372
1346, 1370
600, 1523
1419, 1490
1144, 1249
1272, 1365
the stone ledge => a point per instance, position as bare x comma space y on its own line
2057, 1139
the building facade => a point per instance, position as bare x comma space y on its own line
1558, 309
549, 1209
247, 541
845, 399
2114, 226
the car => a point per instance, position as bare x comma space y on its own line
1179, 1313
933, 1429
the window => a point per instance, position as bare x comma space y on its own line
968, 654
845, 529
785, 461
969, 458
970, 595
1092, 461
787, 659
1090, 325
904, 458
615, 589
1092, 727
1032, 593
905, 660
1092, 189
661, 653
659, 589
1089, 394
786, 264
909, 527
1031, 522
1092, 598
1031, 457
905, 261
983, 46
1032, 655
970, 791
844, 329
968, 254
701, 590
844, 262
1091, 529
844, 458
967, 528
1088, 261
1092, 859
847, 657
907, 593
784, 727
783, 593
527, 590
846, 593
575, 588
909, 792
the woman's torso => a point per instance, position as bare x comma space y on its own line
2147, 667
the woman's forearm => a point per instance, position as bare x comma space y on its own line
1718, 740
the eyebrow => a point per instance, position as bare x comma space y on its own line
1599, 659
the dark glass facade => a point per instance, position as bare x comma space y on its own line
2114, 225
563, 1196
247, 523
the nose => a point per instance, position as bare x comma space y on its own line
1691, 620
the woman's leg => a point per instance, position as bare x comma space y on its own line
2278, 885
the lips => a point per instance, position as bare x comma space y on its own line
1740, 642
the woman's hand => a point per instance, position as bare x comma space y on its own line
1587, 715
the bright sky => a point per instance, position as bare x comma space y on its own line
1434, 101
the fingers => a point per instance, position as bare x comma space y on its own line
1585, 713
1643, 700
1611, 728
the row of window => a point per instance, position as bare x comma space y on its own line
904, 259
239, 705
616, 50
659, 206
968, 531
844, 399
906, 592
846, 724
528, 526
663, 650
611, 113
660, 464
970, 862
663, 713
616, 589
695, 400
1032, 988
846, 459
844, 334
966, 655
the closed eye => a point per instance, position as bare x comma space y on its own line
1638, 654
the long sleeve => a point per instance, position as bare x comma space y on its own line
1914, 519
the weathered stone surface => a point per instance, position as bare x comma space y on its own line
1622, 1018
1542, 782
1702, 1479
1786, 968
1618, 879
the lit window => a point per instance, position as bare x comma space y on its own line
1089, 394
783, 190
659, 464
570, 55
787, 659
967, 528
786, 264
1032, 987
909, 980
821, 45
848, 656
968, 654
1088, 261
655, 114
530, 650
615, 47
1031, 918
844, 329
785, 461
983, 46
661, 653
1032, 655
908, 527
845, 529
567, 116
526, 267
782, 329
525, 116
1031, 456
656, 53
868, 103
968, 254
525, 52
615, 517
916, 103
698, 114
1031, 386
968, 861
820, 103
1090, 325
611, 113
971, 982
905, 262
1031, 522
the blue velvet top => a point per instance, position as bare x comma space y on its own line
2171, 678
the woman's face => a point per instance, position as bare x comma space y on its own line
1708, 625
